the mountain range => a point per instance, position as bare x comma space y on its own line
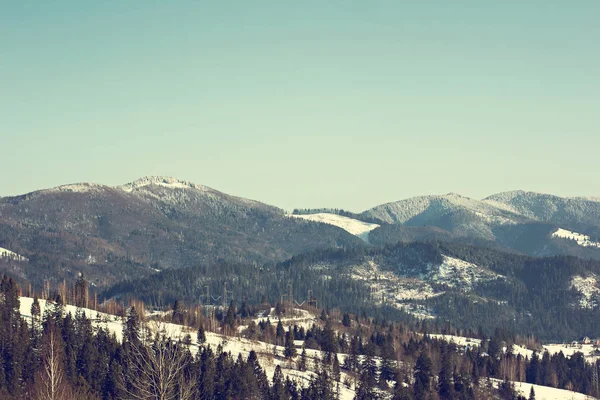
153, 223
156, 223
504, 258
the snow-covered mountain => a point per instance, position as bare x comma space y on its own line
567, 212
158, 222
153, 223
423, 209
454, 213
520, 221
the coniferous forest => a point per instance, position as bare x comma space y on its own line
59, 355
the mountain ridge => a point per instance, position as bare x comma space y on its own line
160, 222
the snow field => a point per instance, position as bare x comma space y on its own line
545, 392
582, 240
350, 225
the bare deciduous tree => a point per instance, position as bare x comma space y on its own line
157, 370
50, 380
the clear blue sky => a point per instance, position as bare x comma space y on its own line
303, 103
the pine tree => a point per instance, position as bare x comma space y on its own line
259, 374
335, 369
387, 369
302, 364
178, 312
346, 320
207, 375
445, 388
422, 375
328, 344
369, 367
280, 333
289, 351
278, 389
35, 313
532, 394
201, 336
132, 328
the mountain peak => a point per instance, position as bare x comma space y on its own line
165, 181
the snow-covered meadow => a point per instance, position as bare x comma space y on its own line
351, 225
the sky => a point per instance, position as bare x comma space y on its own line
344, 104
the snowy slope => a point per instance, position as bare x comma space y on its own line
5, 253
546, 392
351, 225
580, 239
402, 287
457, 273
588, 350
269, 356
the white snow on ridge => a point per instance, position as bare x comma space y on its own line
582, 240
587, 288
165, 181
7, 254
76, 188
351, 225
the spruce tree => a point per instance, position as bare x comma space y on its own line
335, 369
289, 351
302, 363
207, 378
132, 328
278, 389
201, 336
422, 376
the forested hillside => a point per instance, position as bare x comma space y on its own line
469, 286
51, 350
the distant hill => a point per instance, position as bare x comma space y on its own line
576, 213
523, 222
151, 224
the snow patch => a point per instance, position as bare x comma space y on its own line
389, 288
11, 255
588, 289
580, 239
545, 392
456, 273
351, 225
